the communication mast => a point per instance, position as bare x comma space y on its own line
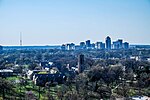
20, 39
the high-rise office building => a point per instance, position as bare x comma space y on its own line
97, 45
102, 45
71, 46
108, 43
93, 46
68, 46
80, 63
125, 45
63, 47
88, 44
120, 43
82, 45
115, 45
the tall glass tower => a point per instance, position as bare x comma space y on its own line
108, 43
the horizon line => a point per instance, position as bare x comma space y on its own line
132, 44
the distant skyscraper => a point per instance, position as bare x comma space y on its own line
80, 63
108, 43
102, 45
115, 45
120, 43
70, 46
126, 45
97, 45
63, 47
67, 46
93, 46
88, 44
82, 45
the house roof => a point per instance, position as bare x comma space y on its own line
6, 71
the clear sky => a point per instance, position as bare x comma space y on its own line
50, 22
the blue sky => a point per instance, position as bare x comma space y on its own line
50, 22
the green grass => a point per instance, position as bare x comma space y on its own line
35, 89
12, 78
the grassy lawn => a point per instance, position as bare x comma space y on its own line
29, 86
12, 78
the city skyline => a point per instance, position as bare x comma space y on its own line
109, 44
56, 22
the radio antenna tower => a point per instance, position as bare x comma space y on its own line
20, 39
